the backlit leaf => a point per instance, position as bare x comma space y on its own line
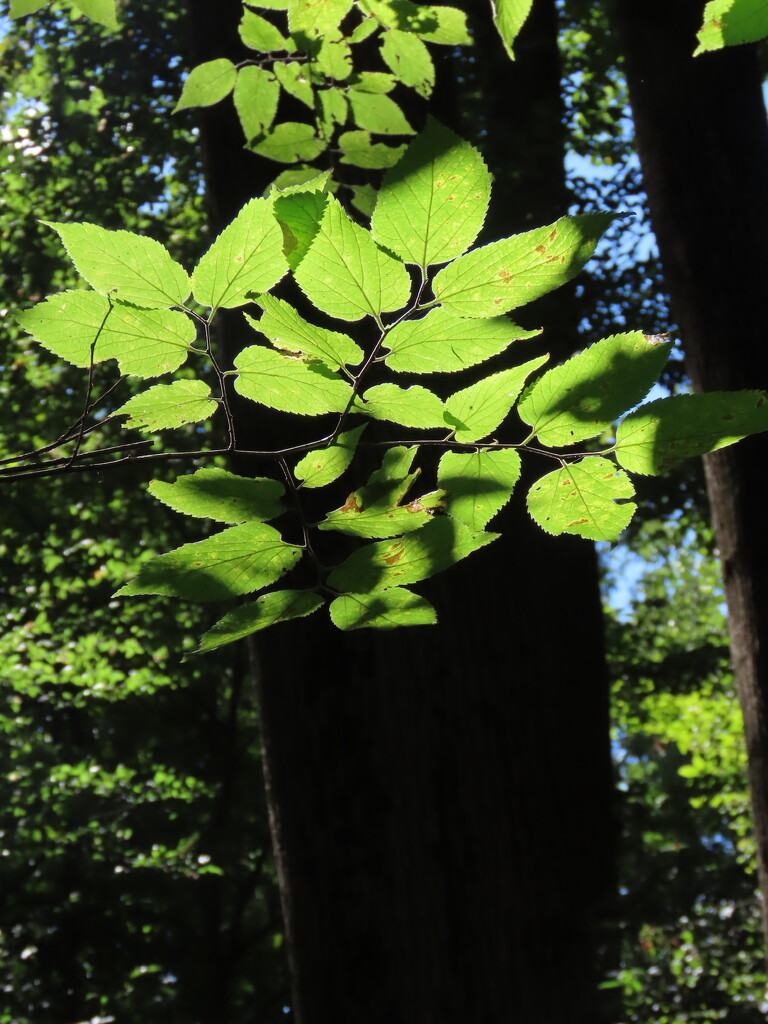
103, 12
217, 494
20, 8
316, 17
417, 556
358, 150
662, 434
145, 342
411, 407
730, 22
324, 465
260, 34
587, 393
236, 561
385, 609
440, 342
377, 113
294, 78
436, 24
432, 204
283, 326
580, 499
503, 275
509, 17
388, 485
130, 267
376, 522
169, 405
410, 61
478, 484
246, 259
288, 142
299, 215
267, 610
207, 84
345, 273
280, 382
256, 96
479, 409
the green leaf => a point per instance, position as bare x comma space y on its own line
509, 17
207, 84
346, 275
20, 8
374, 112
376, 522
411, 407
480, 408
294, 78
444, 25
103, 12
373, 81
256, 96
299, 215
505, 274
289, 142
324, 465
730, 22
417, 556
358, 150
388, 485
270, 5
299, 179
580, 499
316, 18
363, 198
130, 267
441, 343
478, 484
267, 610
662, 434
236, 561
432, 204
586, 394
260, 34
362, 31
220, 495
335, 110
169, 405
385, 609
289, 385
146, 343
283, 326
410, 61
245, 260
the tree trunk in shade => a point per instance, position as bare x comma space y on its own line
440, 797
703, 143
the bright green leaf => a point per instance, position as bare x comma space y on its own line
440, 343
324, 465
479, 409
267, 610
207, 84
299, 215
287, 384
103, 12
436, 24
410, 61
19, 8
662, 434
289, 142
283, 326
376, 522
509, 17
385, 609
581, 398
580, 499
730, 22
334, 59
246, 259
374, 112
363, 198
294, 78
363, 30
316, 17
373, 81
346, 275
417, 556
478, 484
506, 274
130, 267
217, 494
335, 110
432, 204
169, 405
256, 96
260, 34
388, 485
358, 150
299, 179
236, 561
146, 343
411, 407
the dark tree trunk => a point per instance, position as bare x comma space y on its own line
703, 143
440, 798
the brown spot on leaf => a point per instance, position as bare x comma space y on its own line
505, 276
351, 504
552, 235
541, 248
395, 554
577, 522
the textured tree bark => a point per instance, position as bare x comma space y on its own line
703, 143
440, 798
